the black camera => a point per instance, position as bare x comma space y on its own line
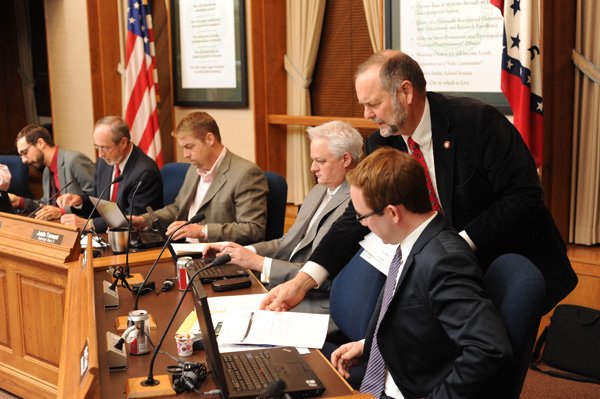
187, 376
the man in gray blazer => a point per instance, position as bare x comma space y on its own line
59, 168
230, 191
335, 149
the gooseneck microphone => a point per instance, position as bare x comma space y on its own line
115, 180
49, 200
195, 219
131, 203
219, 261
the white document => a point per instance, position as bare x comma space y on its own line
189, 248
377, 253
262, 327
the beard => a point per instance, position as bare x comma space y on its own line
400, 117
38, 162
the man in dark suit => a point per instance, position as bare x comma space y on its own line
229, 190
118, 156
434, 333
335, 149
62, 169
482, 177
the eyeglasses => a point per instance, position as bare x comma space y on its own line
360, 218
104, 148
25, 150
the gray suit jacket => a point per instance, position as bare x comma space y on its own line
72, 166
283, 268
235, 205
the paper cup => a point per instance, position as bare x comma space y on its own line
184, 344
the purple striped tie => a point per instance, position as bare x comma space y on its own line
374, 380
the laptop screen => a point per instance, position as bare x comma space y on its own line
209, 338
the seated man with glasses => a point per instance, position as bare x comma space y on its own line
63, 169
117, 156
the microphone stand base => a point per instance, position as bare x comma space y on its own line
135, 389
135, 278
121, 322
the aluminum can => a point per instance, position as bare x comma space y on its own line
182, 276
139, 343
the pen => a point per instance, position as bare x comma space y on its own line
249, 325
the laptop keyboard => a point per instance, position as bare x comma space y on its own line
211, 272
249, 371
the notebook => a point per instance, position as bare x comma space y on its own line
218, 272
233, 370
113, 216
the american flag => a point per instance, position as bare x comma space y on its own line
522, 69
140, 81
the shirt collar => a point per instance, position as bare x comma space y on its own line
422, 134
211, 173
124, 161
410, 240
54, 163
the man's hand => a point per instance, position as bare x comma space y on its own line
72, 220
213, 249
189, 231
69, 199
347, 356
48, 212
14, 200
242, 256
289, 294
139, 223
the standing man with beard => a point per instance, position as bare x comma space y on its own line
58, 166
479, 172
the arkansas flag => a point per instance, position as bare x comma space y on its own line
140, 81
521, 80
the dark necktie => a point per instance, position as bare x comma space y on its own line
115, 189
374, 380
418, 156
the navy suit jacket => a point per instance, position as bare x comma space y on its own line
441, 337
488, 186
150, 192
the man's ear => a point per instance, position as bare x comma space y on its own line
209, 138
347, 159
407, 89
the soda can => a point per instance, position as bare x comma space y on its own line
138, 339
182, 276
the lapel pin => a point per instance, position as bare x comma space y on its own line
447, 144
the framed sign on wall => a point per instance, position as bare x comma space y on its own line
458, 44
209, 53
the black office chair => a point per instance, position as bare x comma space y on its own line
276, 204
19, 183
353, 296
173, 174
517, 288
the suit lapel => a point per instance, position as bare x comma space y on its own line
285, 250
443, 152
60, 164
219, 180
433, 228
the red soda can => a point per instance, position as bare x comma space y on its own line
182, 276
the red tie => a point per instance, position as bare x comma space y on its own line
418, 156
115, 189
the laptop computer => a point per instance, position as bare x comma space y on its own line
114, 217
246, 374
218, 272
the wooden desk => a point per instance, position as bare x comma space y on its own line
161, 308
